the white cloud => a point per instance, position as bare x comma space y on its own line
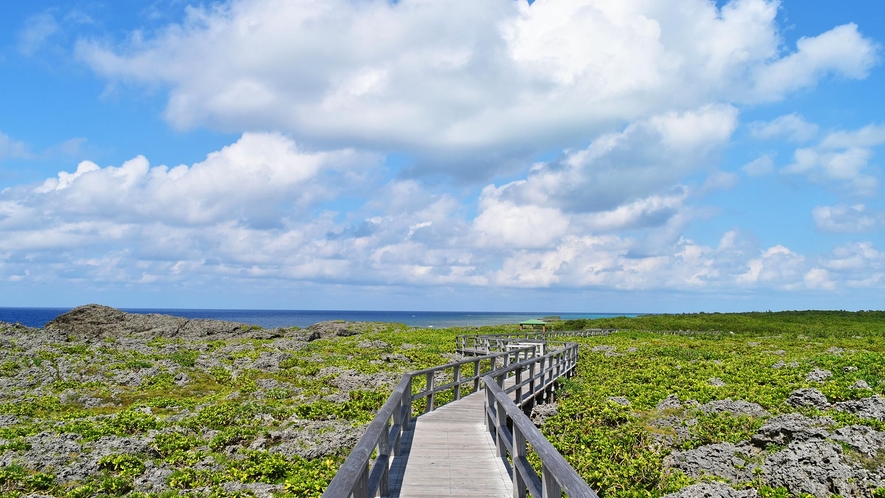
841, 159
648, 158
790, 126
761, 166
252, 181
842, 50
777, 265
866, 137
36, 32
818, 278
468, 82
846, 219
11, 148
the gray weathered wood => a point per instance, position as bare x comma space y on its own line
458, 437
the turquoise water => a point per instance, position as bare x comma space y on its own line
37, 317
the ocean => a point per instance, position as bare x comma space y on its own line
37, 317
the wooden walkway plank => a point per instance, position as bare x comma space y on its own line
449, 453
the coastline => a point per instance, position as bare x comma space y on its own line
38, 317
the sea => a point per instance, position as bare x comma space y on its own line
37, 317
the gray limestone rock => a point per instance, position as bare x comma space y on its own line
540, 413
671, 402
620, 400
311, 439
153, 480
811, 398
712, 490
734, 407
785, 429
818, 375
872, 407
723, 460
860, 384
862, 439
96, 321
816, 468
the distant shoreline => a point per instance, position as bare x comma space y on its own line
37, 317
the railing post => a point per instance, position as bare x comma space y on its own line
430, 385
551, 488
407, 401
361, 488
384, 457
519, 489
501, 423
456, 377
518, 386
476, 376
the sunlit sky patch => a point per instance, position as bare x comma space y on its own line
562, 155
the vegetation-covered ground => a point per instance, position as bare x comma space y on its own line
106, 416
645, 405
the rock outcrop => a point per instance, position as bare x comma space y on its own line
102, 322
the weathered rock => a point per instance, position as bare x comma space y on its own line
48, 451
860, 384
734, 407
872, 407
337, 328
723, 460
540, 413
712, 490
311, 439
862, 439
818, 375
620, 400
811, 398
269, 361
96, 321
816, 468
257, 489
671, 402
153, 480
785, 429
716, 382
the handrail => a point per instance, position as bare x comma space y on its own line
556, 474
362, 477
359, 476
488, 342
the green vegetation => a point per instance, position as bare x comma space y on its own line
760, 358
212, 412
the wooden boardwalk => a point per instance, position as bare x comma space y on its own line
449, 452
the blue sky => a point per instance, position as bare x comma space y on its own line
563, 155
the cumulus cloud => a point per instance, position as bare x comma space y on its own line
793, 127
248, 181
778, 265
841, 158
252, 212
841, 50
846, 219
468, 81
648, 158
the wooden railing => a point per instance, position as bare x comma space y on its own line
485, 344
535, 364
362, 477
513, 431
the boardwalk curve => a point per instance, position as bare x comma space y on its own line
474, 445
